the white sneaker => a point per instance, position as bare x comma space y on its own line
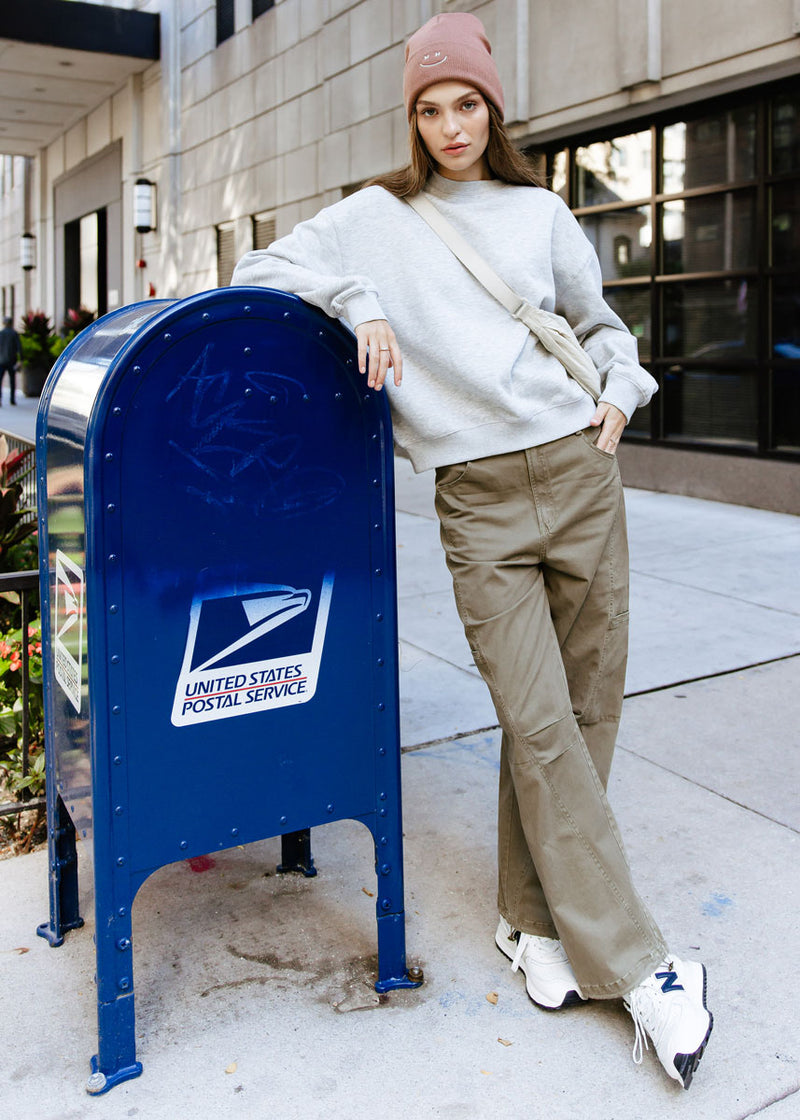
670, 1007
549, 977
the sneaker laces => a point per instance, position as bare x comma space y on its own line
643, 1004
546, 946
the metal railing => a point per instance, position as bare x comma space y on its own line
27, 585
27, 476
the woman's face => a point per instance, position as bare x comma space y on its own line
453, 121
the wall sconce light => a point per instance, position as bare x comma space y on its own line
144, 206
27, 251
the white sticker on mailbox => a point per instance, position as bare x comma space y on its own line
251, 651
68, 639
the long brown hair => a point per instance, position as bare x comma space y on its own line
503, 159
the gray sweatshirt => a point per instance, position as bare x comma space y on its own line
475, 381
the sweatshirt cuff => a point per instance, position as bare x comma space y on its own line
362, 308
623, 394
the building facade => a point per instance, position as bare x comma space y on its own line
671, 127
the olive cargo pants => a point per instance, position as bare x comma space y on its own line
536, 544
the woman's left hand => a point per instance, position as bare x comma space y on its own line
611, 422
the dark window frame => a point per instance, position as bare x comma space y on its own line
763, 274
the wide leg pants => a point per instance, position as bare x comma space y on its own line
536, 544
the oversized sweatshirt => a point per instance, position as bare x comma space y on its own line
476, 382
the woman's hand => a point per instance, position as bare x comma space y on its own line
611, 422
377, 337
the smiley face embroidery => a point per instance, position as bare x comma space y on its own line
433, 58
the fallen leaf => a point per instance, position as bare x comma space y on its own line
231, 1068
505, 1042
369, 894
492, 997
486, 1072
21, 949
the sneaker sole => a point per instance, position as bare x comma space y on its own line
686, 1064
572, 998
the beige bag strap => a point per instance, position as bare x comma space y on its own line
553, 331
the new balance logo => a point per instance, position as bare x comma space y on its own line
669, 984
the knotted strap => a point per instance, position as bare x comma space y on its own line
553, 331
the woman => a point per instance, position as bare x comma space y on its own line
530, 505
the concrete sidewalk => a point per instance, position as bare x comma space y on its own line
254, 991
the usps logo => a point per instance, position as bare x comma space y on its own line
69, 626
252, 651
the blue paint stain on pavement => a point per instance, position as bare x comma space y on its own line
716, 905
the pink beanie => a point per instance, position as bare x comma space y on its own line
450, 47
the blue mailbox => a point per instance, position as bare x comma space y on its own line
218, 575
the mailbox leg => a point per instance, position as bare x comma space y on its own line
392, 970
296, 853
115, 1060
63, 864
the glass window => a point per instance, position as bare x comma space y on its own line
786, 319
786, 133
710, 233
786, 224
786, 409
622, 240
226, 253
710, 405
558, 181
715, 320
614, 170
632, 304
715, 149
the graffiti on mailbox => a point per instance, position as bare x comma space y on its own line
251, 651
68, 641
237, 450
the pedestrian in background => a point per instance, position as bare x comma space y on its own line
10, 353
519, 408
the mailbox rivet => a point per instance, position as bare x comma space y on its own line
384, 840
377, 526
382, 795
248, 392
379, 616
117, 760
124, 944
183, 845
120, 861
286, 315
306, 398
124, 984
248, 350
109, 456
382, 751
329, 808
273, 399
386, 904
386, 869
206, 316
115, 659
321, 334
337, 396
116, 709
117, 411
123, 911
112, 558
382, 813
137, 369
380, 662
374, 437
113, 608
111, 508
247, 307
167, 337
376, 482
378, 571
234, 832
381, 706
283, 820
118, 810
